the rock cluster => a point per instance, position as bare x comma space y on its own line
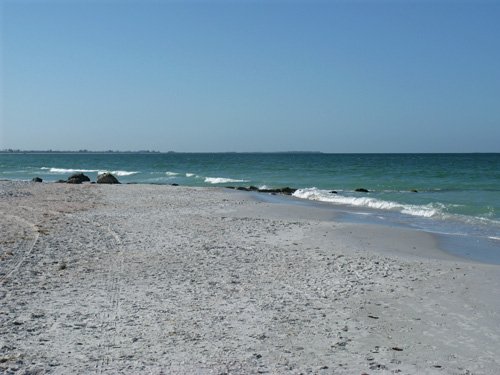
78, 178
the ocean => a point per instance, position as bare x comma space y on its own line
456, 196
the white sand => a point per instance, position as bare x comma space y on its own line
160, 279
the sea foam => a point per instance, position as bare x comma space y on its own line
369, 202
221, 180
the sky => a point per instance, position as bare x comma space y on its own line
209, 76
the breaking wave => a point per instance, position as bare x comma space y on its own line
428, 210
221, 180
65, 170
119, 173
98, 171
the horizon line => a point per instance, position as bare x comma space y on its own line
85, 151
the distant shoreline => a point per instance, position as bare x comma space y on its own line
146, 152
150, 152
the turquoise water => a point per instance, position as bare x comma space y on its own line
456, 193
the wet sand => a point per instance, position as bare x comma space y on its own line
160, 279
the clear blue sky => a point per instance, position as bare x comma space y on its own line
332, 76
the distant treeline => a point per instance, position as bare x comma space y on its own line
11, 151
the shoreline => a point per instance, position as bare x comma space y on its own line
469, 248
155, 278
460, 239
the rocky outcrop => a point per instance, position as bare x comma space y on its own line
107, 178
250, 188
37, 179
78, 178
285, 190
362, 190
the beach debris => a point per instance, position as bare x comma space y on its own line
107, 178
373, 316
37, 179
78, 178
362, 190
397, 349
377, 366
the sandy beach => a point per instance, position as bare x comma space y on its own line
127, 279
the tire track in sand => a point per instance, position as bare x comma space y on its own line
110, 317
26, 246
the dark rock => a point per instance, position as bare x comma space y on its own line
362, 190
37, 179
288, 191
285, 190
61, 181
333, 192
107, 178
77, 178
242, 188
414, 190
174, 184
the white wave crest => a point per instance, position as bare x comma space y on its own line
190, 174
221, 180
98, 171
119, 173
65, 170
325, 196
171, 173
